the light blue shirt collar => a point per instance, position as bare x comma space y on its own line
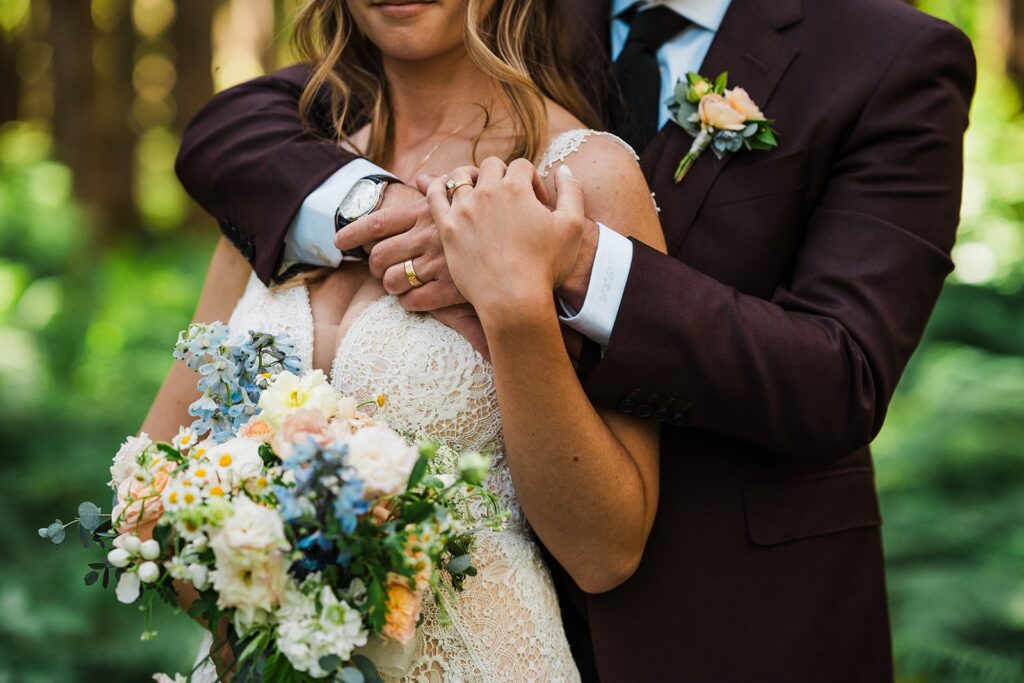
707, 14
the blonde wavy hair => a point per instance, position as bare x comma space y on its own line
520, 44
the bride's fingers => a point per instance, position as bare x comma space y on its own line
568, 191
492, 169
437, 200
522, 171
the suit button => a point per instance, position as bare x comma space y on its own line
678, 419
644, 410
660, 415
627, 405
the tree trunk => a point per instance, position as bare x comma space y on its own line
10, 84
114, 134
192, 36
1015, 43
71, 38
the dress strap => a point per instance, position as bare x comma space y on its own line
566, 144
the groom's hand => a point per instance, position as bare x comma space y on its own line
403, 230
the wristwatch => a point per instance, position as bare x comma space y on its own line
365, 197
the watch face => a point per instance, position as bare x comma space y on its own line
360, 200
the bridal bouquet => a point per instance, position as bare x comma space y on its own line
307, 527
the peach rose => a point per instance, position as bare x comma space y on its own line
714, 111
403, 609
297, 427
739, 100
139, 506
256, 430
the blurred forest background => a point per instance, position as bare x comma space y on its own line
102, 256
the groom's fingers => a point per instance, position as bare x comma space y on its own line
432, 296
423, 181
377, 226
568, 191
524, 172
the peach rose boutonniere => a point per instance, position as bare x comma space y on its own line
726, 120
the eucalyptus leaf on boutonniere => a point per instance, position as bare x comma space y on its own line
726, 120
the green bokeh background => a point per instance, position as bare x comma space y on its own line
88, 317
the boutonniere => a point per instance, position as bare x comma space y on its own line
726, 120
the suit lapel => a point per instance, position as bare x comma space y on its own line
749, 46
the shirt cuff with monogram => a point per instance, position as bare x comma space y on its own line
612, 262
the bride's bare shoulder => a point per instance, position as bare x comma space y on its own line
614, 186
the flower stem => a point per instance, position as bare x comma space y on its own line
700, 143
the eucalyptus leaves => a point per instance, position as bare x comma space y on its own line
727, 120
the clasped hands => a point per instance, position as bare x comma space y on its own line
494, 248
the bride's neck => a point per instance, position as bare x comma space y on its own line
439, 96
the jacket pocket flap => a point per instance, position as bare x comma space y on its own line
783, 510
762, 178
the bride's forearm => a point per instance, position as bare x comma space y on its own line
224, 284
588, 492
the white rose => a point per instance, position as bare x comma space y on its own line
124, 465
288, 393
128, 588
382, 460
251, 567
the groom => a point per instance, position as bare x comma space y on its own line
767, 342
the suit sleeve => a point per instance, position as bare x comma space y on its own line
809, 373
250, 161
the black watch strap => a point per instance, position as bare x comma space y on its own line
339, 220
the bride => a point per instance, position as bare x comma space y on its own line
446, 84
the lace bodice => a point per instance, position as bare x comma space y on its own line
506, 625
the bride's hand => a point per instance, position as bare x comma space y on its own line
506, 250
403, 230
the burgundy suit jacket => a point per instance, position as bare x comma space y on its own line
768, 341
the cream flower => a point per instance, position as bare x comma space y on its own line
124, 464
739, 100
714, 112
251, 567
288, 392
381, 459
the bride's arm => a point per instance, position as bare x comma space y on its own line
224, 284
587, 478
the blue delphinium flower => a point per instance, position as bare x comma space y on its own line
233, 374
349, 504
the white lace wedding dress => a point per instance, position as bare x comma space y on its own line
506, 625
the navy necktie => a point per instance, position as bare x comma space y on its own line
638, 74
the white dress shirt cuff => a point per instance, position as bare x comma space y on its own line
310, 238
612, 261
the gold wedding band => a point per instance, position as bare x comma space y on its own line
452, 186
410, 275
